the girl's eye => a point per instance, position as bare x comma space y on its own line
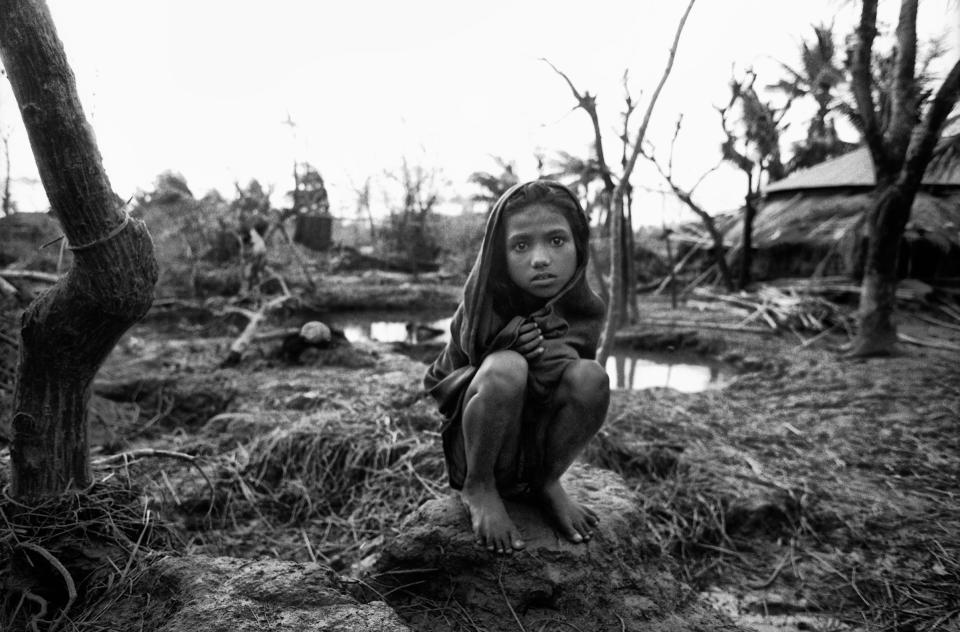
559, 241
520, 246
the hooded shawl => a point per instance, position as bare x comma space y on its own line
570, 323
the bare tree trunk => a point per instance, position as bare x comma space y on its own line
673, 272
7, 203
877, 333
624, 302
900, 155
615, 308
631, 263
749, 213
601, 285
69, 330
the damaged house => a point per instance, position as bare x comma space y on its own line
812, 223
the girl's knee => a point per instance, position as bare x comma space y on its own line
504, 372
586, 382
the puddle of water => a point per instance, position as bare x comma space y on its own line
627, 369
685, 373
392, 327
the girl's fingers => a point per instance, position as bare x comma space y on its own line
529, 335
523, 341
529, 346
528, 329
529, 341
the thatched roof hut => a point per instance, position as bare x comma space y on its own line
811, 223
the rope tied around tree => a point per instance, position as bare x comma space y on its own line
116, 230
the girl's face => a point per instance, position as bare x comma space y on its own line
541, 254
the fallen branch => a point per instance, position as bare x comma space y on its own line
30, 275
133, 455
676, 270
7, 288
806, 343
144, 452
726, 298
279, 279
246, 338
938, 322
698, 280
693, 324
949, 310
276, 334
926, 342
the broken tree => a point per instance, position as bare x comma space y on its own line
621, 288
69, 330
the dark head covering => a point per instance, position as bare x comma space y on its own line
493, 308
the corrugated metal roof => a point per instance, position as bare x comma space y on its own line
855, 169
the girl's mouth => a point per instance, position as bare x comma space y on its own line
542, 277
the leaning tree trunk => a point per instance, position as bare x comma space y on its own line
68, 331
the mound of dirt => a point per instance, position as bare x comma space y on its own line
224, 594
434, 573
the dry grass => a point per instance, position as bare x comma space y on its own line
327, 487
831, 482
834, 483
68, 559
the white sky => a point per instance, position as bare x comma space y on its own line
202, 87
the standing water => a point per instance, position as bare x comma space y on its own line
627, 369
687, 373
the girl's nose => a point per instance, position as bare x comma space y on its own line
540, 257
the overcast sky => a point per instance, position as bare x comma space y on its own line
203, 87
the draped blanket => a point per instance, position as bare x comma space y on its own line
570, 322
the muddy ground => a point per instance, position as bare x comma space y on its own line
809, 492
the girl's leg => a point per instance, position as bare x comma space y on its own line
582, 399
491, 432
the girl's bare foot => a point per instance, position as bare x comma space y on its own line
575, 521
492, 526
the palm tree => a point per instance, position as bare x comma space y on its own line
819, 78
577, 173
755, 149
493, 185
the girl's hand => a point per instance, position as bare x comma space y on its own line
529, 341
